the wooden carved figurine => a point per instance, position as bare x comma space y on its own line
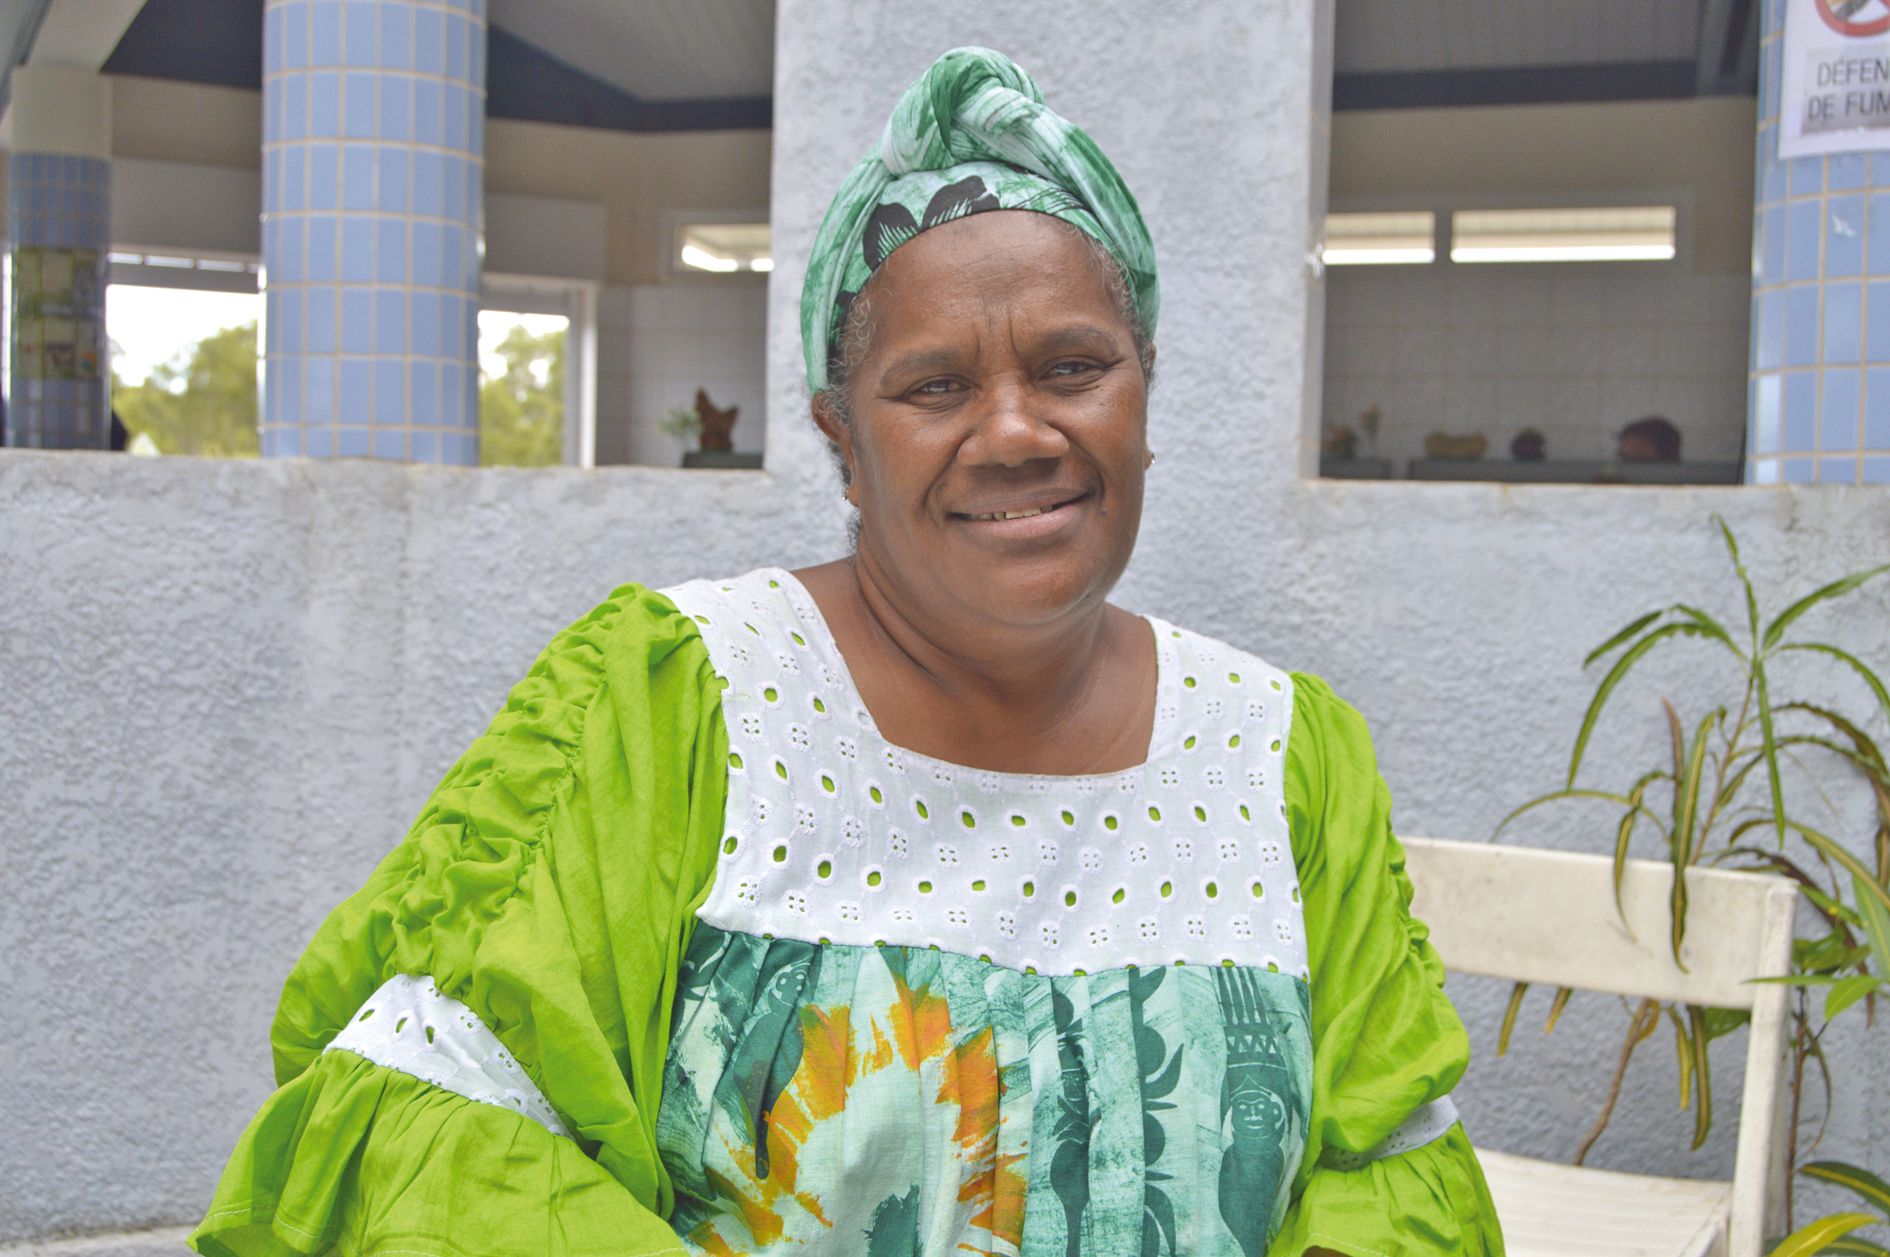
716, 424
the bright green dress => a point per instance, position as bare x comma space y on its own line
681, 957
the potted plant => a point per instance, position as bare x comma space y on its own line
1719, 798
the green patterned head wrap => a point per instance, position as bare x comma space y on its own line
971, 134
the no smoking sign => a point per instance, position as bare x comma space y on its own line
1856, 18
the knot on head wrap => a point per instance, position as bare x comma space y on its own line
971, 134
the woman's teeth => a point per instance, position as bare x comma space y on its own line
1017, 514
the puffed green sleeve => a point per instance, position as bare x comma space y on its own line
544, 895
1386, 1041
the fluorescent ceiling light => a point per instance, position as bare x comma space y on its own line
725, 247
703, 260
761, 264
1624, 234
1403, 238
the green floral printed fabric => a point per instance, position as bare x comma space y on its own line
971, 134
893, 1100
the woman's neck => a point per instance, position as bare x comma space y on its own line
1070, 697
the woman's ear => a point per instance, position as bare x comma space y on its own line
827, 419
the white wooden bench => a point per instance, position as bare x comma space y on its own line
1548, 918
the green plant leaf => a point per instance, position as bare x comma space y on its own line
1874, 916
1867, 888
1847, 991
1836, 589
1745, 581
1871, 1189
1713, 628
1553, 795
1723, 1021
1555, 1008
1622, 636
1851, 1246
1684, 1050
1870, 679
1620, 669
1624, 833
1686, 807
1770, 741
1817, 1237
1509, 1017
1702, 1075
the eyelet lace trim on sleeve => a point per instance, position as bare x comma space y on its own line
1428, 1122
409, 1026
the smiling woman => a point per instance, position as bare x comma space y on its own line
919, 902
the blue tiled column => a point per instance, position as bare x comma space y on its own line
373, 212
58, 235
1819, 391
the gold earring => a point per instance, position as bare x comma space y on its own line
1151, 459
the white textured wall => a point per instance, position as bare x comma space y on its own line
226, 688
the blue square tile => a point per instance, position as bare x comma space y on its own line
1838, 470
351, 441
1799, 432
321, 441
1876, 470
1877, 323
357, 324
458, 41
457, 116
453, 408
318, 391
423, 394
1879, 214
390, 392
1801, 325
429, 42
324, 38
284, 372
396, 107
357, 389
286, 323
272, 111
428, 125
1844, 235
429, 195
425, 446
357, 177
321, 321
295, 178
1807, 176
324, 105
1803, 237
324, 177
427, 268
1837, 410
391, 193
1767, 413
322, 263
271, 445
294, 107
358, 95
357, 250
390, 443
359, 32
1772, 247
1848, 170
1877, 409
396, 37
1798, 471
1880, 169
455, 189
1843, 321
390, 250
390, 321
423, 322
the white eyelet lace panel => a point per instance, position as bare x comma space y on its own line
833, 834
409, 1026
1427, 1123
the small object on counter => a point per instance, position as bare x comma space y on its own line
1368, 421
1651, 439
1529, 446
1340, 443
717, 425
1463, 449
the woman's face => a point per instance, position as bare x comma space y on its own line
1000, 377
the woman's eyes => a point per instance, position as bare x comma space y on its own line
1069, 369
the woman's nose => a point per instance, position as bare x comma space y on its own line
1011, 428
